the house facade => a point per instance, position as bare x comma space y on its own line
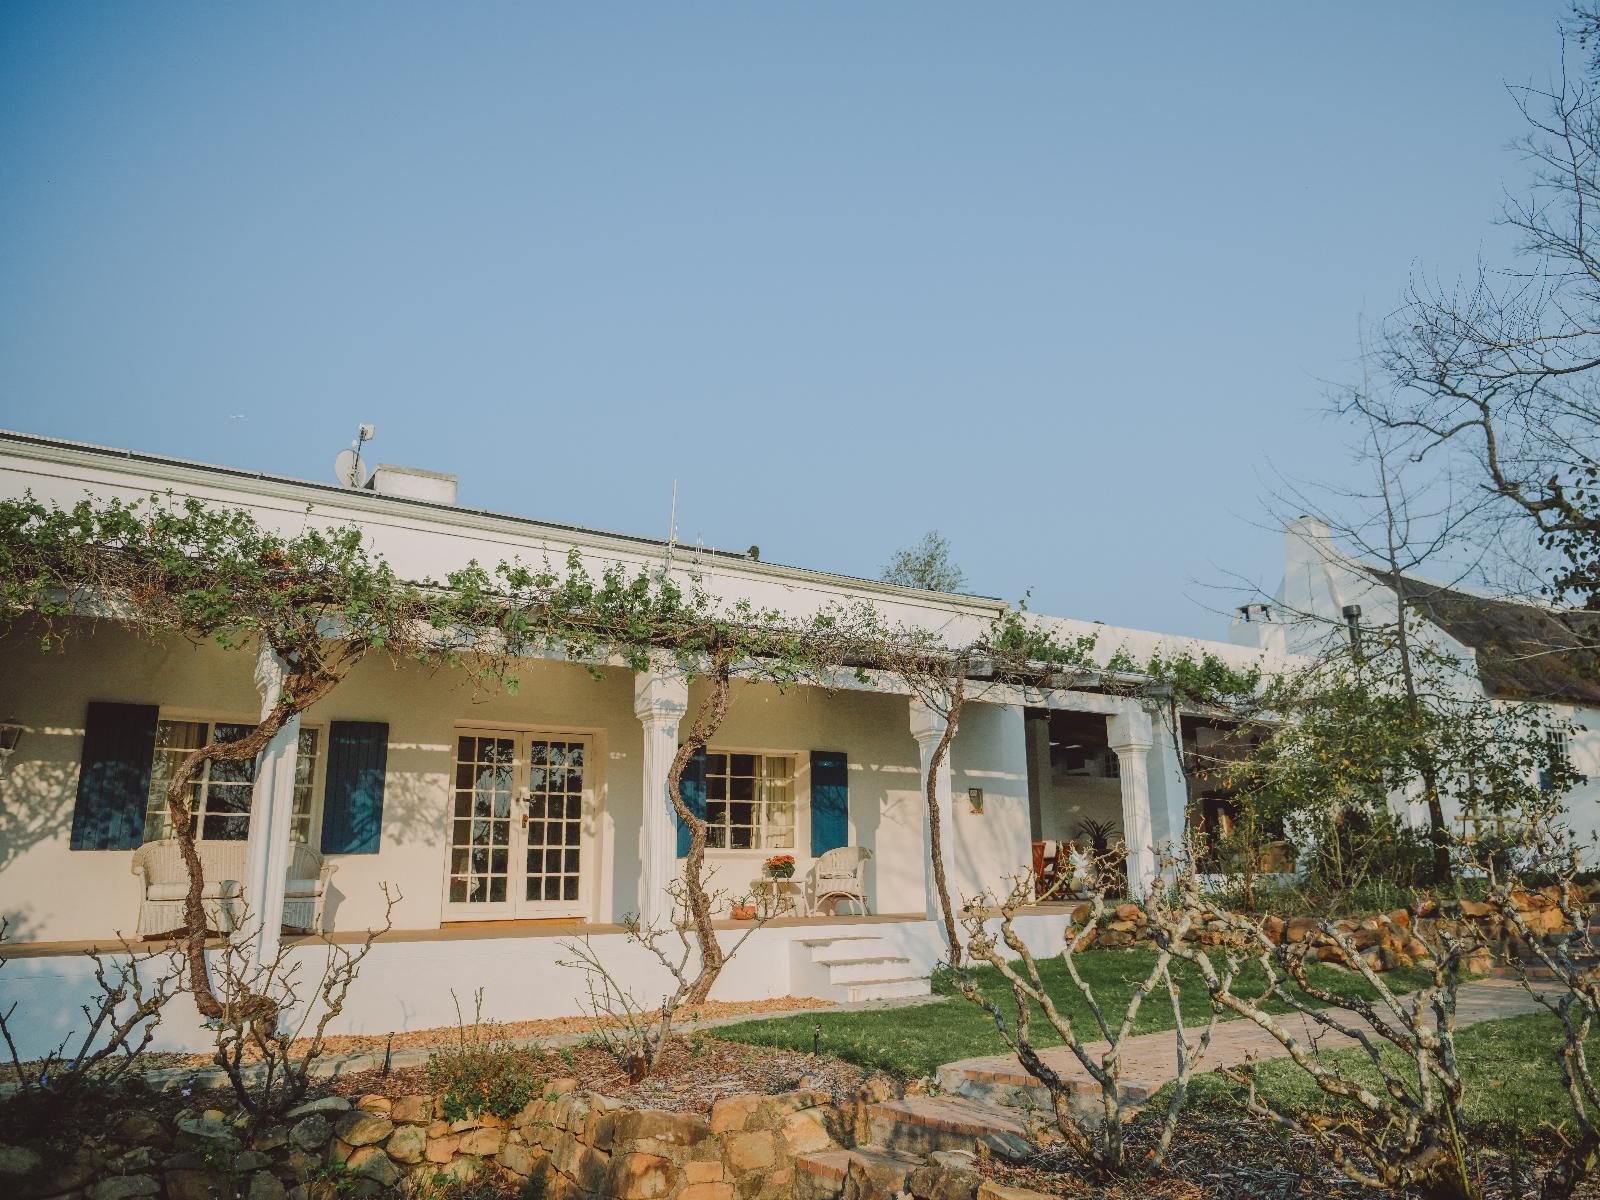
1510, 651
510, 823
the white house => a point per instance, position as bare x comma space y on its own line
1513, 651
512, 822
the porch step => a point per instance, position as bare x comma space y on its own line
850, 968
821, 1176
919, 1125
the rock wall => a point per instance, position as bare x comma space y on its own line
575, 1144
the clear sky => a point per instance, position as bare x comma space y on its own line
1062, 280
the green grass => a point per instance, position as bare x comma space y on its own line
915, 1041
1513, 1079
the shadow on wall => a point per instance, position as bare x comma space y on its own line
36, 799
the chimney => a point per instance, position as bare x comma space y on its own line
413, 483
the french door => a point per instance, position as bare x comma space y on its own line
522, 812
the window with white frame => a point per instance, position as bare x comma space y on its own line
1556, 751
749, 801
220, 796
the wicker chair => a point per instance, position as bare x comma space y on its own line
165, 882
836, 875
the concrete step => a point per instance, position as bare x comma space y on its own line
821, 1176
886, 989
919, 1125
868, 970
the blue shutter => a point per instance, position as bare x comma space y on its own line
352, 802
119, 745
830, 800
692, 787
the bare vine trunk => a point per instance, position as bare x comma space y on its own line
935, 831
299, 693
707, 720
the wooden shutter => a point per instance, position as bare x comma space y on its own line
352, 803
830, 800
692, 787
119, 745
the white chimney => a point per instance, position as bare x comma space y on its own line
413, 483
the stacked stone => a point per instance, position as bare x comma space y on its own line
579, 1144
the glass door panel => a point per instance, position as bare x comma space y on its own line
553, 851
481, 825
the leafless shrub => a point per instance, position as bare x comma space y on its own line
120, 1023
1097, 1137
1405, 1133
267, 1041
631, 1031
1569, 991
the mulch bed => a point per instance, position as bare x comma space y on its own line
1220, 1157
449, 1035
693, 1073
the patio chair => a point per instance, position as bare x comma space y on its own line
165, 883
836, 875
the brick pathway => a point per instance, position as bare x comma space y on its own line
1148, 1058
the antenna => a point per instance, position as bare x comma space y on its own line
347, 466
672, 525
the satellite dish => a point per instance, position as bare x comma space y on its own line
347, 468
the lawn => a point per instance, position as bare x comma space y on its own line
1513, 1079
915, 1041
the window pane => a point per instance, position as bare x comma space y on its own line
742, 764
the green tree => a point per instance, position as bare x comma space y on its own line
926, 565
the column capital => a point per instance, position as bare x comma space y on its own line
927, 724
1130, 731
660, 694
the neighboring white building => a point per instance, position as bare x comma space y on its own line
510, 821
1511, 650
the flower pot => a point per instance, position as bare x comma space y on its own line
744, 912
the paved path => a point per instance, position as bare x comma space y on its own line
1148, 1059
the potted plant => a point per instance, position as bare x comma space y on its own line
779, 866
743, 908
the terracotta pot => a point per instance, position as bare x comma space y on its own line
744, 912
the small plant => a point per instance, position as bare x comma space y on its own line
743, 907
779, 866
569, 1060
483, 1072
330, 1180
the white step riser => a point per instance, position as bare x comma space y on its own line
871, 971
852, 951
893, 990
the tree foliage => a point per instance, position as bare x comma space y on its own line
926, 565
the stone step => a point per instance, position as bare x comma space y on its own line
886, 989
1000, 1079
821, 1176
919, 1125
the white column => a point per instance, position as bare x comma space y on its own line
928, 726
1169, 791
266, 856
660, 698
1130, 736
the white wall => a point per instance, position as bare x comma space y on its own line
408, 985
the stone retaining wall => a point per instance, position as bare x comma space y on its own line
576, 1145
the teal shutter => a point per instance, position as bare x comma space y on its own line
692, 787
119, 745
352, 802
830, 800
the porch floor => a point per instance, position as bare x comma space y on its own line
467, 931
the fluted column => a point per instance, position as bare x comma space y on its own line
1130, 735
928, 726
660, 698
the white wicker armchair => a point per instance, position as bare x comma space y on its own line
839, 874
165, 881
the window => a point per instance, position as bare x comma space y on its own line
749, 801
220, 796
1556, 751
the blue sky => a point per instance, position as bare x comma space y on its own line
1064, 281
